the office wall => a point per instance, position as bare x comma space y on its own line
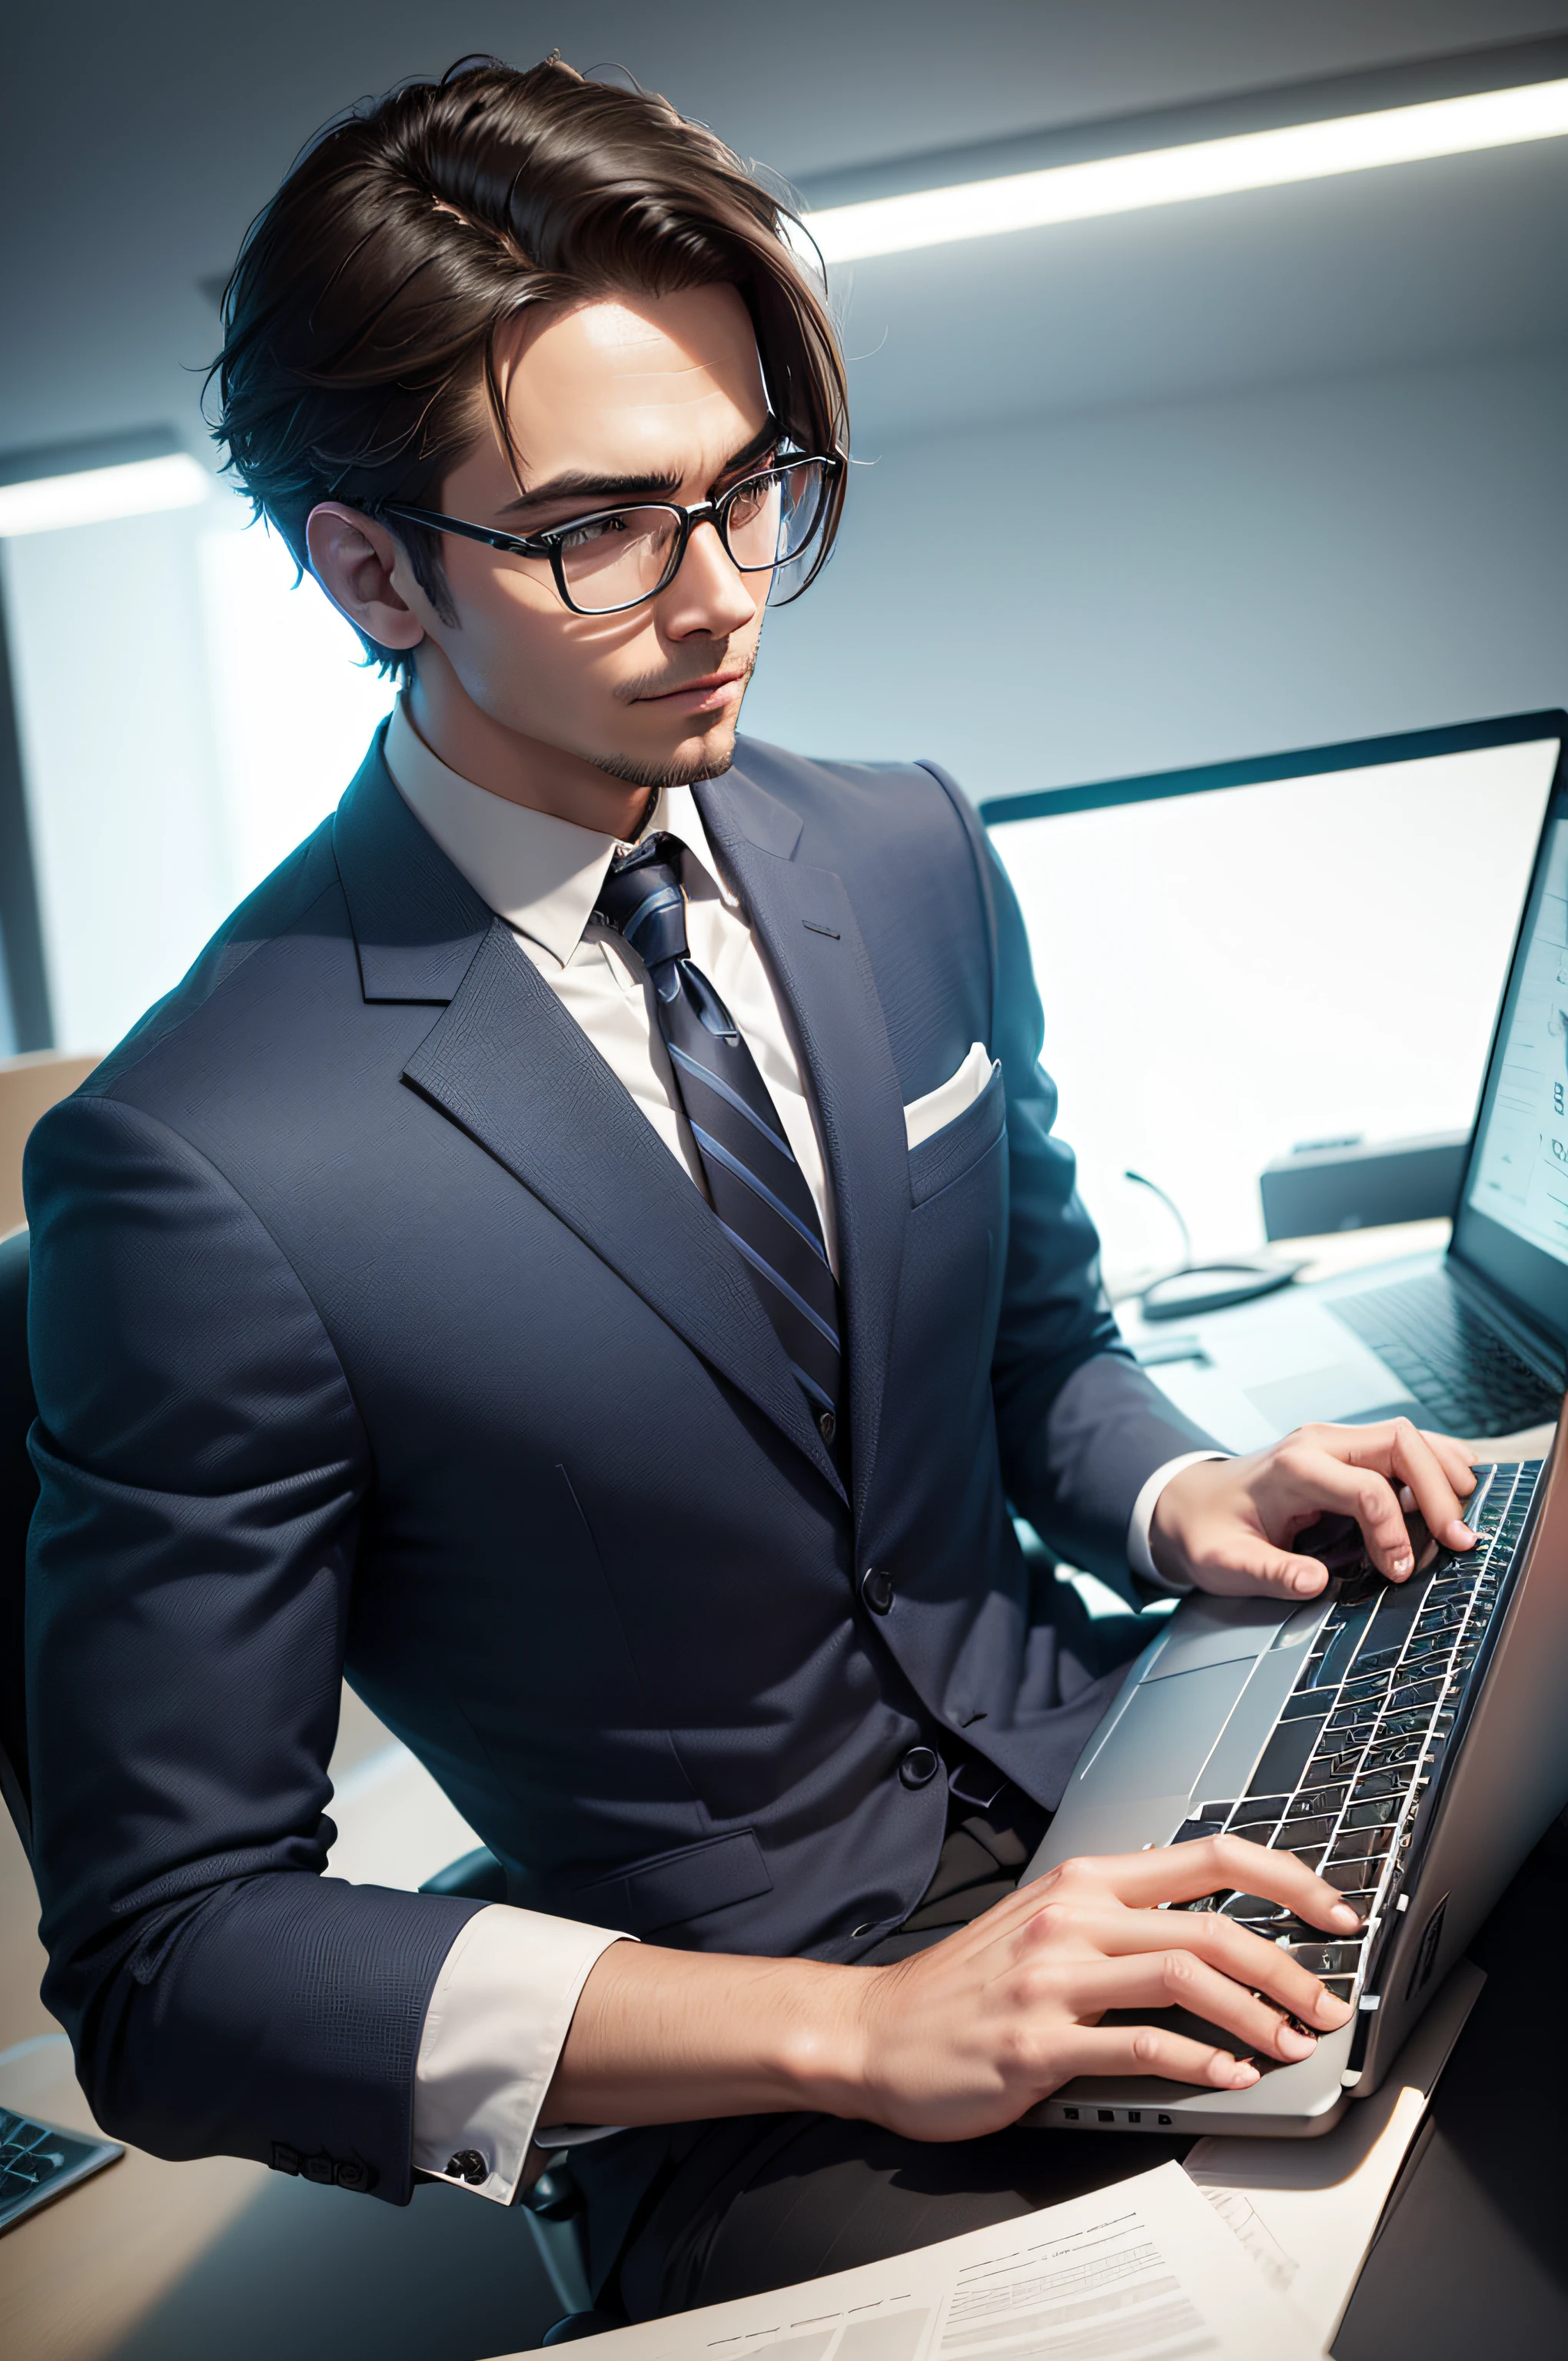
1032, 603
186, 717
1077, 597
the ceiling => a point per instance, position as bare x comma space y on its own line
135, 145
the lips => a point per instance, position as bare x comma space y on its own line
705, 682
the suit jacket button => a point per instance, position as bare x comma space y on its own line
876, 1588
827, 1426
284, 2157
353, 2176
320, 2169
468, 2165
919, 1766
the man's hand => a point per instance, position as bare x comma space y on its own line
962, 2038
966, 2037
1227, 1525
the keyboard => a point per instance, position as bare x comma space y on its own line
1341, 1781
1447, 1357
39, 2162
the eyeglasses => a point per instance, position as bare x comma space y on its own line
617, 558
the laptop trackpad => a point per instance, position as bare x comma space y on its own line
1135, 1793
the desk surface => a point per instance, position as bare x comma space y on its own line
151, 2261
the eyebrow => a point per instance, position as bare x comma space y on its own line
577, 484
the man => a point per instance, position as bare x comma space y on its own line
584, 1251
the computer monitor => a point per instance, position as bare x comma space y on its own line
1239, 960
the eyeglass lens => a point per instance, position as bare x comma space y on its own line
615, 560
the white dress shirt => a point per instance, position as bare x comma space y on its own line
503, 2003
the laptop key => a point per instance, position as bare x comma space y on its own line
1350, 1876
1312, 1801
1359, 1844
1379, 1814
1395, 1751
1310, 1832
1327, 1959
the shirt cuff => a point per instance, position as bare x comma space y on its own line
497, 2020
1140, 1557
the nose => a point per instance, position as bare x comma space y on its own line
709, 594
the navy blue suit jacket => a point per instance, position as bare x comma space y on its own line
374, 1328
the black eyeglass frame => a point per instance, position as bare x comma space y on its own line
549, 544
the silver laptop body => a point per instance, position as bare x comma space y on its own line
1411, 1740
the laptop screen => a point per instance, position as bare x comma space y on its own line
1239, 960
1519, 1175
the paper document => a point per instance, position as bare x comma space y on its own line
1144, 2271
1306, 2211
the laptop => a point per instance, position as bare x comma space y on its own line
1408, 1740
1474, 1340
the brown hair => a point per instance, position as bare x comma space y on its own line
361, 319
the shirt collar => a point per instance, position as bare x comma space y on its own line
540, 874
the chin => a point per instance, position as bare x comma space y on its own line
704, 756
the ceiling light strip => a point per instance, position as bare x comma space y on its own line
1208, 168
98, 495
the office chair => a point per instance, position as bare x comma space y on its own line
18, 1491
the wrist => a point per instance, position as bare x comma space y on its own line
824, 2039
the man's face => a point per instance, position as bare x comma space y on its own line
651, 397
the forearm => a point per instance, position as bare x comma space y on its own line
665, 2036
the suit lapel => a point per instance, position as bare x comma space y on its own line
807, 927
509, 1064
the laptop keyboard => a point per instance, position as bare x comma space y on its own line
1449, 1357
38, 2161
1341, 1778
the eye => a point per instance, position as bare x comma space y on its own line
750, 496
592, 531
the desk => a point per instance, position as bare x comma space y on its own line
222, 2260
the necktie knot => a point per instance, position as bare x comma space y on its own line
643, 899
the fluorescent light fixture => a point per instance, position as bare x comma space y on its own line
1207, 168
96, 495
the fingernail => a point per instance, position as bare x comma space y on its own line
1401, 1566
1459, 1535
1307, 1581
1341, 1914
1242, 2075
1332, 2012
1291, 2044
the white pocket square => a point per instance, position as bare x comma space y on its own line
923, 1118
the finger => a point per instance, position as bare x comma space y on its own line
1321, 1477
1251, 1565
1458, 1460
1407, 1454
1246, 1958
1146, 2049
1214, 1865
1178, 1978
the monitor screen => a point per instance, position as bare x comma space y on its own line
1233, 971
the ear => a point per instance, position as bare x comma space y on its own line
356, 559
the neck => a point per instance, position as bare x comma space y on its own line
520, 769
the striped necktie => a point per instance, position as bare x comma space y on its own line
756, 1188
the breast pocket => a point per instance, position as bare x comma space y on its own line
947, 1155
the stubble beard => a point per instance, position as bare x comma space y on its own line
711, 763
